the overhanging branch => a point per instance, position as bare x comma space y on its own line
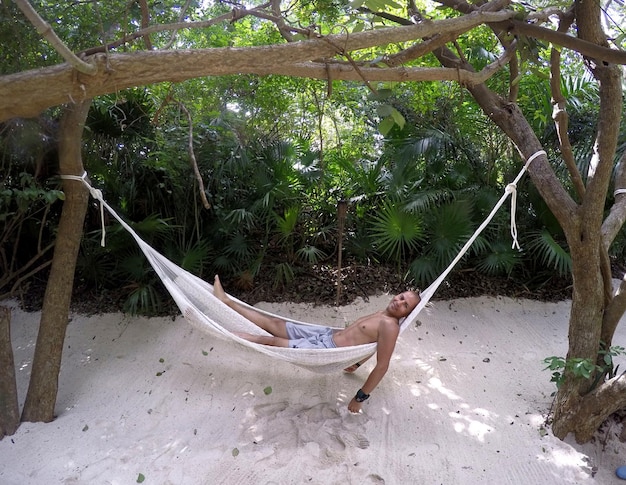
344, 72
588, 49
124, 70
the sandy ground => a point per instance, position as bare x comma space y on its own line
158, 401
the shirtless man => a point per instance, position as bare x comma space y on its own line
382, 327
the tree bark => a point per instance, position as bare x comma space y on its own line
578, 409
9, 410
591, 410
43, 387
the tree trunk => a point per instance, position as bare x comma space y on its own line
578, 408
43, 387
585, 325
9, 410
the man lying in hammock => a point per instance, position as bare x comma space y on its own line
382, 328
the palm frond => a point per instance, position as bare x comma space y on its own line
310, 254
195, 258
286, 224
423, 200
395, 231
143, 299
424, 270
238, 247
549, 252
502, 259
283, 274
241, 217
451, 228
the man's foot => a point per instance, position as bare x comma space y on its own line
218, 291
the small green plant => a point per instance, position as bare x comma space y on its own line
584, 368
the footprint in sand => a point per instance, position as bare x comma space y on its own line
287, 427
354, 441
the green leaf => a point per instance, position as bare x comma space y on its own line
584, 371
235, 452
385, 126
554, 363
398, 118
140, 478
384, 110
617, 350
267, 390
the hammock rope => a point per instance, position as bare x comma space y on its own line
200, 307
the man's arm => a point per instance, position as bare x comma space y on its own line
387, 335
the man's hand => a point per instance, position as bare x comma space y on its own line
354, 406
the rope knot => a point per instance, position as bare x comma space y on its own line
512, 189
96, 194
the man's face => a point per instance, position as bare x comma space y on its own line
403, 304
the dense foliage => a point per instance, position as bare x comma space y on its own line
419, 166
413, 197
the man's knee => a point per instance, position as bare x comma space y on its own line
278, 327
274, 341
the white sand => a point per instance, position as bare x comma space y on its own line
463, 403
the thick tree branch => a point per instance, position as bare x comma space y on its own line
283, 28
343, 71
617, 216
598, 405
44, 29
581, 46
121, 71
613, 313
519, 27
421, 49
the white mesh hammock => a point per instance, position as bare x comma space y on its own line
201, 308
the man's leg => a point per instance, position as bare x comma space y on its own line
276, 326
264, 339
